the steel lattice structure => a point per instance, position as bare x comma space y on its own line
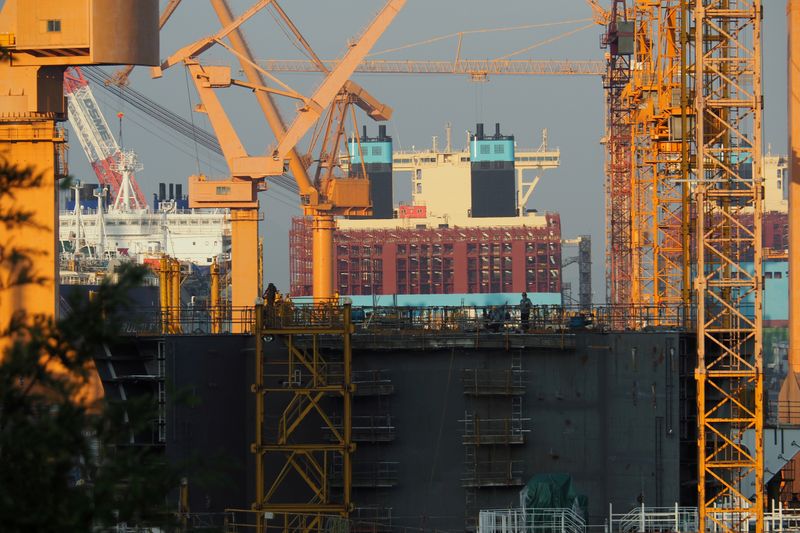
660, 258
642, 93
94, 135
618, 162
728, 203
671, 245
303, 389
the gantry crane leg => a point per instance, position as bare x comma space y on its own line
32, 85
244, 259
323, 226
31, 143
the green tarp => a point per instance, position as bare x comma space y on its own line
552, 491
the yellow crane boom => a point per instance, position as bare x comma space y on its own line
475, 68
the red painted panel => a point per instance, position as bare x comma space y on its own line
460, 267
518, 265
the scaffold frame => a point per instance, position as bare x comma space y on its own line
309, 385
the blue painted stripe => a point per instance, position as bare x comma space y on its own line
374, 152
491, 150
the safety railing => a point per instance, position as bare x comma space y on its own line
250, 521
644, 519
319, 315
33, 133
530, 521
487, 382
494, 474
684, 520
388, 320
786, 410
220, 320
509, 319
781, 519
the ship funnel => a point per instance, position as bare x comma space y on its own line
162, 191
178, 191
497, 129
382, 131
171, 191
364, 135
479, 130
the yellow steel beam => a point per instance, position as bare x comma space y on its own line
304, 405
728, 202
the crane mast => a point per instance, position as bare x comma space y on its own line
728, 205
98, 142
619, 41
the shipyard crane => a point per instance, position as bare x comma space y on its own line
476, 69
618, 39
42, 43
120, 78
113, 167
324, 198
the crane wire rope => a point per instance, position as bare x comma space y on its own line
191, 119
483, 30
280, 193
546, 41
172, 120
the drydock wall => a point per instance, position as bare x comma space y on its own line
605, 411
209, 424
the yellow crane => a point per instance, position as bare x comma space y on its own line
325, 197
476, 69
43, 38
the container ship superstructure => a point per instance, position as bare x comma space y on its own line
94, 235
465, 238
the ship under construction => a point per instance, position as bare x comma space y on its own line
403, 382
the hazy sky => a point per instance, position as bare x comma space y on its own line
571, 108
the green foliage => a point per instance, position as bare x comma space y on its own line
65, 462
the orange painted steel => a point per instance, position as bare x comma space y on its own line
78, 32
642, 103
476, 69
328, 195
790, 391
729, 207
659, 259
671, 252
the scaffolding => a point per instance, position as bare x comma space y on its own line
728, 204
584, 262
489, 439
302, 481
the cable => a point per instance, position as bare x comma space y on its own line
469, 32
546, 41
165, 117
191, 117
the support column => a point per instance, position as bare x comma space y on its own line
30, 143
216, 326
322, 235
244, 263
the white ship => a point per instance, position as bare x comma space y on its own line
92, 240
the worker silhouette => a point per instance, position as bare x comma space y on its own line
270, 294
525, 305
